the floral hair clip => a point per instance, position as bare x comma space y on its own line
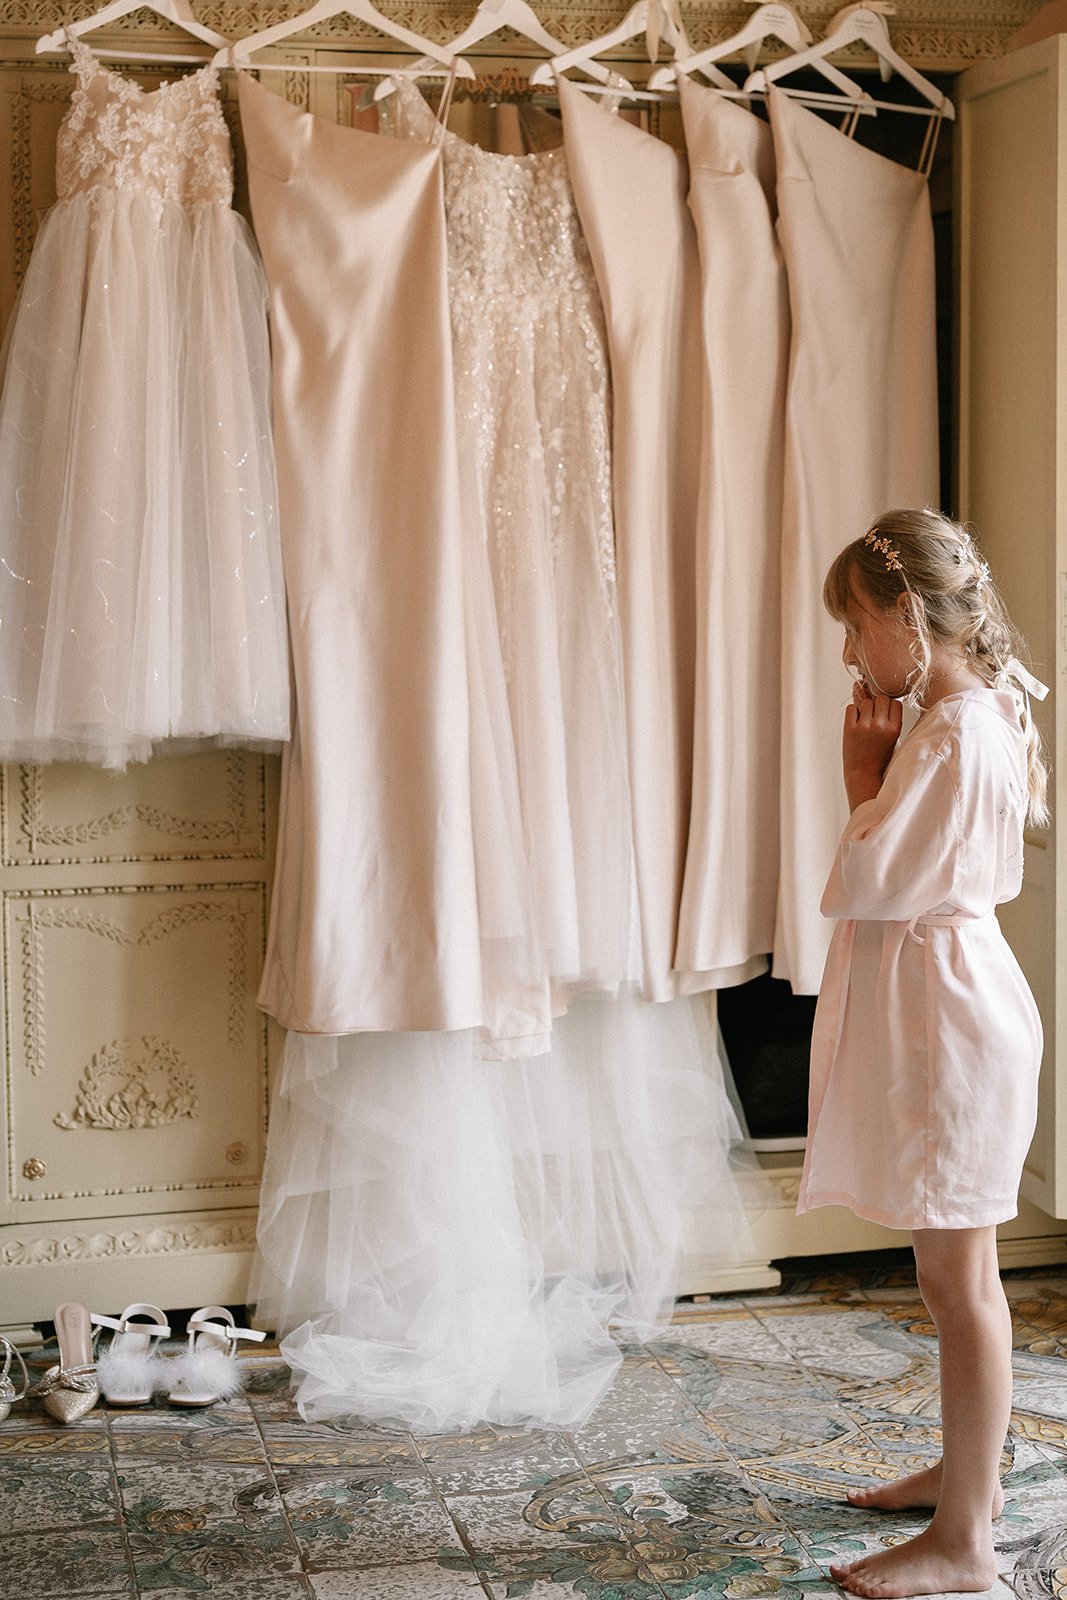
893, 562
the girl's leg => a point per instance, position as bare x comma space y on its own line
923, 1489
959, 1279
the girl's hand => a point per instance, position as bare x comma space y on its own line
872, 728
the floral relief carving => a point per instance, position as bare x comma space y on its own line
296, 88
38, 833
195, 911
229, 830
186, 828
37, 919
147, 1091
788, 1187
209, 1237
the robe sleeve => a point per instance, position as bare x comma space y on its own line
900, 852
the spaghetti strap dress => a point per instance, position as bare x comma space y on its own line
861, 437
730, 890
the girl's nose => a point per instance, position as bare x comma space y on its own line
848, 654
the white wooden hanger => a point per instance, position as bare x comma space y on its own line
239, 52
177, 11
775, 21
647, 17
864, 24
491, 16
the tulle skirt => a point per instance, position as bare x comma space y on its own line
446, 1241
140, 569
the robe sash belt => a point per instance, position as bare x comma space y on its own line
953, 919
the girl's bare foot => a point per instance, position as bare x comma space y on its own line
920, 1489
925, 1565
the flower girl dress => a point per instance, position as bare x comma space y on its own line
141, 599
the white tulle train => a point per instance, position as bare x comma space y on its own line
447, 1242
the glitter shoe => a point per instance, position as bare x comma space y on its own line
70, 1390
8, 1393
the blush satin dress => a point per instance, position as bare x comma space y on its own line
861, 436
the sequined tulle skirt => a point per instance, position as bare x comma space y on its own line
141, 591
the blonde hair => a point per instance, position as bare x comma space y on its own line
925, 554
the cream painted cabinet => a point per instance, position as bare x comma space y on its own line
135, 1060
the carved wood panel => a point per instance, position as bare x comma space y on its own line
135, 1058
207, 807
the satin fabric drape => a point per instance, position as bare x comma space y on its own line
374, 920
731, 870
861, 437
630, 189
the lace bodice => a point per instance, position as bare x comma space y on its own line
171, 143
524, 299
513, 230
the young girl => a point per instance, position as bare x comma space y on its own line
927, 1041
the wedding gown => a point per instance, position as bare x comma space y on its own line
534, 425
140, 574
447, 1240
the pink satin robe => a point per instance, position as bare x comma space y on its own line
927, 1040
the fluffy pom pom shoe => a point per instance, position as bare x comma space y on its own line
207, 1371
129, 1370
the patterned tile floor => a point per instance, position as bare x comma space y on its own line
716, 1465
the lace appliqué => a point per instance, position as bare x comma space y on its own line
531, 366
171, 144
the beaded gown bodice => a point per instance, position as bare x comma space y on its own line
171, 144
523, 298
513, 230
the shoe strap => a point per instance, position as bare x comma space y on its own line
225, 1330
6, 1382
80, 1379
154, 1328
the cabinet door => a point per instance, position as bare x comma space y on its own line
1012, 265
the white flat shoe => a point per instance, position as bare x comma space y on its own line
207, 1371
129, 1372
